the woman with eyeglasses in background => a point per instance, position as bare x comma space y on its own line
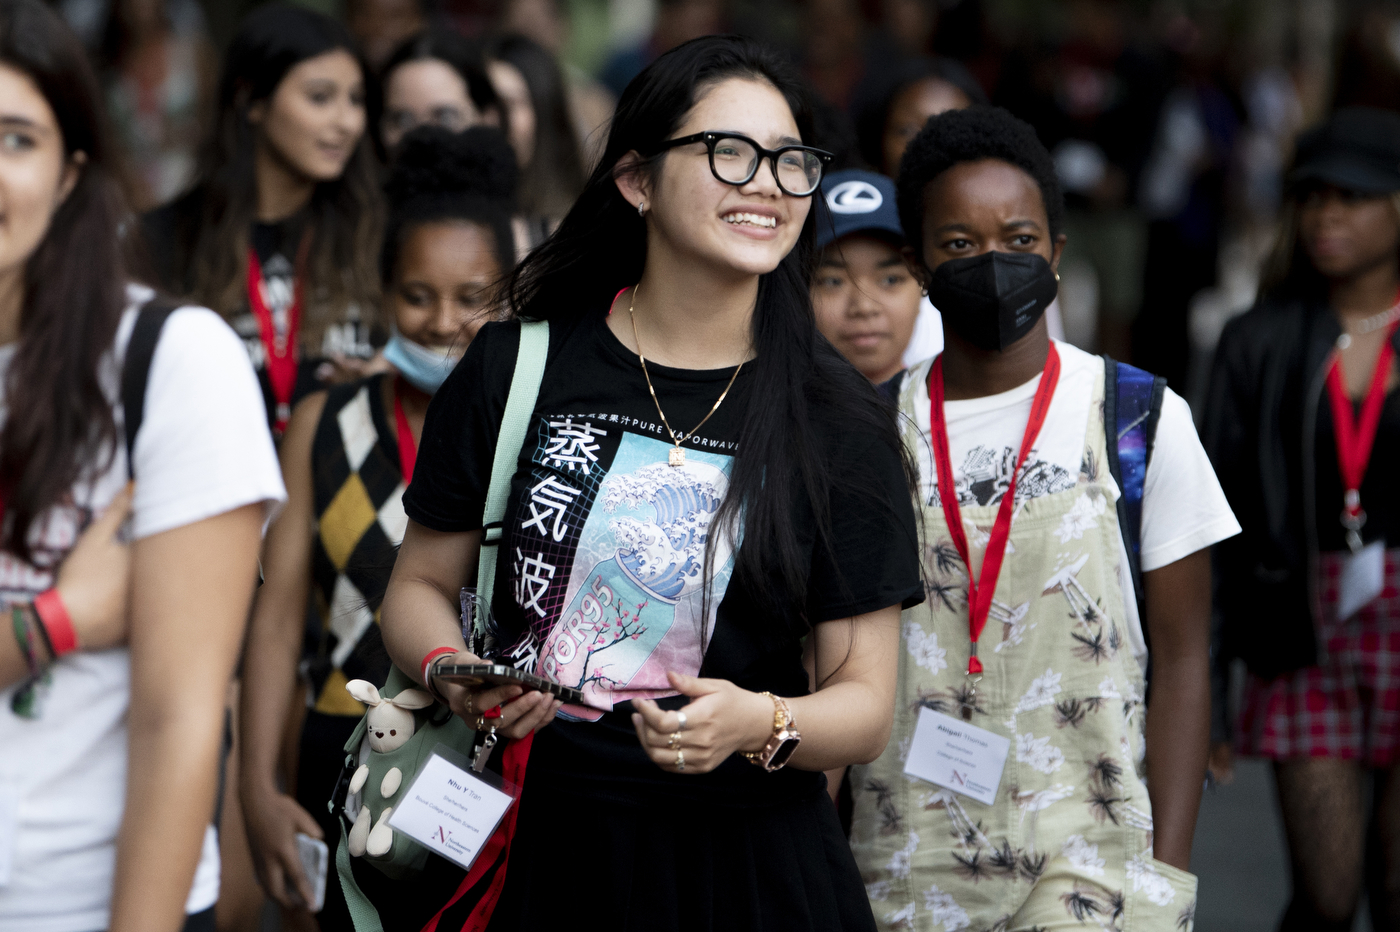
435, 78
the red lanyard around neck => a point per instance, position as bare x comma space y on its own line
981, 589
408, 448
280, 350
1354, 436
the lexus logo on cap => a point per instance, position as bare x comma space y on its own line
854, 197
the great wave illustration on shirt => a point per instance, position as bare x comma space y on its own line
606, 556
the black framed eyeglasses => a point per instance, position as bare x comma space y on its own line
734, 159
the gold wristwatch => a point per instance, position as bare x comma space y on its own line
784, 741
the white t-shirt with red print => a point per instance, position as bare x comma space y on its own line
203, 450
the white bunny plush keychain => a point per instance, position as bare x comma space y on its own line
389, 724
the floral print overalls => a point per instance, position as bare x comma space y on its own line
1068, 842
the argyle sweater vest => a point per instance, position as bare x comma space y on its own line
360, 521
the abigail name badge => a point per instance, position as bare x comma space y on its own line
950, 753
450, 811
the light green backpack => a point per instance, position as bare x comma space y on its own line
434, 724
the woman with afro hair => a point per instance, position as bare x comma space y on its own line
447, 244
1026, 531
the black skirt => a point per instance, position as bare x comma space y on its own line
736, 850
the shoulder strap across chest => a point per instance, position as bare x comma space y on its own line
1132, 407
136, 369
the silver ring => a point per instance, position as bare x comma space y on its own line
680, 761
681, 717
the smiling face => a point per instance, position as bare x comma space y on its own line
315, 117
744, 230
978, 207
35, 173
441, 295
427, 92
866, 303
1346, 234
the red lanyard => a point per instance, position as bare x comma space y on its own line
981, 590
1355, 438
281, 352
408, 449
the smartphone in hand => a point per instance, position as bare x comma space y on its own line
315, 861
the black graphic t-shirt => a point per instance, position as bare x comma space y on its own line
600, 575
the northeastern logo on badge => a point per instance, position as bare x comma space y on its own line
854, 197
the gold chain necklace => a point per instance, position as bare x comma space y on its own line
677, 456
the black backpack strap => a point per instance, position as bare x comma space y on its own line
136, 369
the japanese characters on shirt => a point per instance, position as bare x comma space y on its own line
606, 556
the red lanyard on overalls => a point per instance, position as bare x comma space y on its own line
1355, 437
280, 350
981, 589
408, 449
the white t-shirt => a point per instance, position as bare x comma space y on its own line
1183, 507
203, 449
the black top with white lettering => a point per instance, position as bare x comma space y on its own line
600, 578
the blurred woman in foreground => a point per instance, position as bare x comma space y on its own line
112, 710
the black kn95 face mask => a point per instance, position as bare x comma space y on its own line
993, 299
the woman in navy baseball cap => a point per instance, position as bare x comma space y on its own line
865, 298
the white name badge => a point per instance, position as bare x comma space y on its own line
1362, 579
450, 811
950, 753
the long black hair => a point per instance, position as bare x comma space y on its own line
60, 421
601, 248
346, 214
554, 175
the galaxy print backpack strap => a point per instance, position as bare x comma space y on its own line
515, 424
1132, 404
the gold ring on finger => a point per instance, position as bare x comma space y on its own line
471, 704
680, 761
674, 741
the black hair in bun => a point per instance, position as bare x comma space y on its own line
439, 175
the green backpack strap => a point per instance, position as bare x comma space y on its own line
362, 911
515, 423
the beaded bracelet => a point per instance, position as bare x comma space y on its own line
27, 701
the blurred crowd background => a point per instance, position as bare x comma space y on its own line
1171, 123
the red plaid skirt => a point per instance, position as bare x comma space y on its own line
1348, 706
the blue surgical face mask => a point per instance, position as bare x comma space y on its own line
425, 368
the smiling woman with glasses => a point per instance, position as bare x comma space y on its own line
705, 484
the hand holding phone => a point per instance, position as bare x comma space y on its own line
315, 860
494, 674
